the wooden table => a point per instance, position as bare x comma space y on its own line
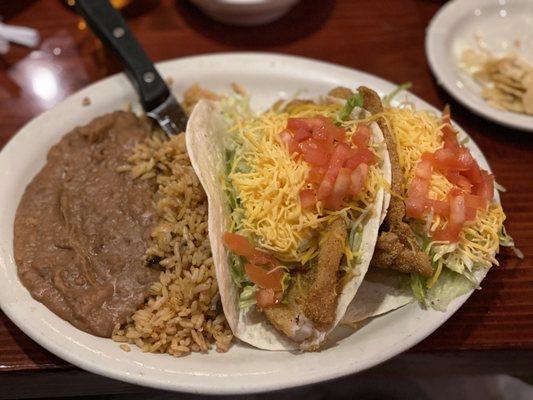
493, 330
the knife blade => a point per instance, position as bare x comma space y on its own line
154, 95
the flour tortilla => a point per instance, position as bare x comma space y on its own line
206, 143
382, 291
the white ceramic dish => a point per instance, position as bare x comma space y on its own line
499, 25
243, 369
245, 12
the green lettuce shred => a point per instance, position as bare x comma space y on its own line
355, 100
285, 283
236, 268
449, 286
247, 297
418, 284
389, 97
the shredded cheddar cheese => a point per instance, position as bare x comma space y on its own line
417, 132
267, 181
479, 240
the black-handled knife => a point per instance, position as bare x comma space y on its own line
155, 97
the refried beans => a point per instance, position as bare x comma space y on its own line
82, 227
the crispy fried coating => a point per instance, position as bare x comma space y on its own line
286, 317
322, 298
312, 295
341, 92
396, 247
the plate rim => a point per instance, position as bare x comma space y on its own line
206, 388
449, 13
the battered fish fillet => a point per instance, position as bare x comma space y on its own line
322, 298
312, 296
396, 247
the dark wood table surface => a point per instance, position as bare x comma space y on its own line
385, 38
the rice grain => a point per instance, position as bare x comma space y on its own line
180, 315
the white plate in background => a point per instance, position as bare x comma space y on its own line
243, 369
501, 26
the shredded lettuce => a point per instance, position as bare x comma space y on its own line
449, 286
247, 297
505, 239
355, 100
236, 107
452, 277
418, 284
388, 98
236, 268
285, 283
355, 236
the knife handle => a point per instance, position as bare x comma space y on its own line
110, 27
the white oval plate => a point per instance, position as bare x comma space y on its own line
243, 369
499, 24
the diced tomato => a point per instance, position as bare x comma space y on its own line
418, 188
335, 132
308, 198
459, 180
454, 191
303, 124
241, 246
288, 139
441, 208
312, 153
316, 175
457, 218
473, 174
474, 201
485, 188
448, 134
326, 187
319, 127
415, 204
464, 160
424, 168
323, 145
266, 298
301, 135
340, 154
444, 158
361, 137
340, 189
264, 278
262, 258
457, 210
448, 234
453, 159
286, 136
338, 158
415, 207
360, 156
358, 178
470, 214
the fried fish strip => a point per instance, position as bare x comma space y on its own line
322, 298
396, 247
312, 297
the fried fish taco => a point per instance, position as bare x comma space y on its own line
444, 225
296, 196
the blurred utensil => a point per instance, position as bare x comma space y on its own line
156, 99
